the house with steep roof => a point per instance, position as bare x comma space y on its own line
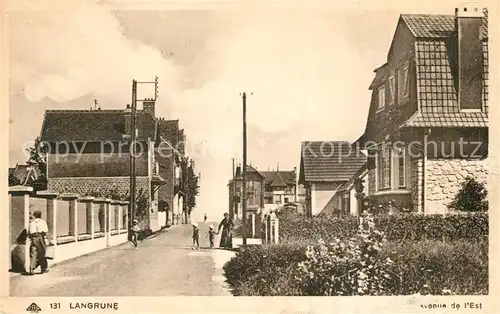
427, 127
88, 153
324, 167
255, 192
281, 186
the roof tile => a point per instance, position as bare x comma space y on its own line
458, 119
92, 125
330, 161
437, 85
436, 26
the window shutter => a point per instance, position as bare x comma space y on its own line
370, 162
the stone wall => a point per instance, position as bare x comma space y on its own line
88, 186
444, 177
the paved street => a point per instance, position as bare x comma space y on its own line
164, 265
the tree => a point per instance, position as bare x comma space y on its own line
191, 188
13, 180
472, 197
38, 156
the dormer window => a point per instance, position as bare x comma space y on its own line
381, 97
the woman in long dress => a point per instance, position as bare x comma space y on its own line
226, 239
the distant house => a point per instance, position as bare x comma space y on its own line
88, 154
282, 187
25, 174
172, 159
429, 96
324, 167
255, 192
345, 199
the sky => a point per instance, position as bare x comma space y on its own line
309, 72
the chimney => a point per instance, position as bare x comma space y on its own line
128, 120
468, 24
148, 105
233, 167
238, 172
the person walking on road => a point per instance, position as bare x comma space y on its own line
135, 232
37, 233
205, 218
196, 237
211, 235
226, 239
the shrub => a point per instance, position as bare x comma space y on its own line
471, 197
261, 269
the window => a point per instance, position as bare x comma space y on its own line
403, 82
401, 168
384, 168
381, 97
345, 203
392, 90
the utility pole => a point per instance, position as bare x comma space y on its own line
132, 151
133, 135
232, 202
244, 194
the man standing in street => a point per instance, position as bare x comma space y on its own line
37, 233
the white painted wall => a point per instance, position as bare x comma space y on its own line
321, 193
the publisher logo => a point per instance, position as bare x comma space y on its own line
33, 308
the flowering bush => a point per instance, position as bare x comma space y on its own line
348, 267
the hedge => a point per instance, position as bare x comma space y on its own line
259, 265
414, 227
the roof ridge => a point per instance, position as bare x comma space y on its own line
83, 111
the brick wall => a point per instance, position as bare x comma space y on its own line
444, 177
86, 186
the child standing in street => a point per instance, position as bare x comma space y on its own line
211, 235
196, 237
135, 232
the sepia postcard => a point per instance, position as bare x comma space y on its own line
334, 156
